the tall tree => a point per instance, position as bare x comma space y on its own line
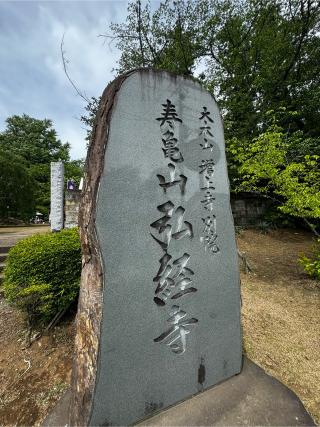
36, 143
166, 39
255, 55
16, 189
259, 58
33, 139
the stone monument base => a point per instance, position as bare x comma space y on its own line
251, 398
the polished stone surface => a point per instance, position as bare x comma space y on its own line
171, 313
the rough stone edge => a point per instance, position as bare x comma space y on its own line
89, 313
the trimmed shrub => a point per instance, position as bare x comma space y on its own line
42, 274
312, 265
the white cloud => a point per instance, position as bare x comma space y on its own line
32, 77
73, 130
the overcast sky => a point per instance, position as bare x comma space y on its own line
32, 80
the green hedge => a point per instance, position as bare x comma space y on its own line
42, 274
312, 265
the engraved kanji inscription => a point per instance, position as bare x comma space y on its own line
206, 171
205, 130
173, 279
209, 234
207, 167
207, 183
208, 200
205, 115
172, 181
171, 225
171, 149
169, 114
175, 336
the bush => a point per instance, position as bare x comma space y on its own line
42, 274
312, 265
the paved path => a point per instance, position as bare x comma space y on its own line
9, 236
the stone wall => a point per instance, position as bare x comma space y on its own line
71, 208
248, 209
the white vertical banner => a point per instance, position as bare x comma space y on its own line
57, 196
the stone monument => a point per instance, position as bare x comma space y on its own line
71, 208
57, 196
159, 311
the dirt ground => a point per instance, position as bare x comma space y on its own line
280, 317
281, 312
31, 379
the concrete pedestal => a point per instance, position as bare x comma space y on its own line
251, 398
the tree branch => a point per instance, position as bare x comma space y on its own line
65, 69
138, 10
